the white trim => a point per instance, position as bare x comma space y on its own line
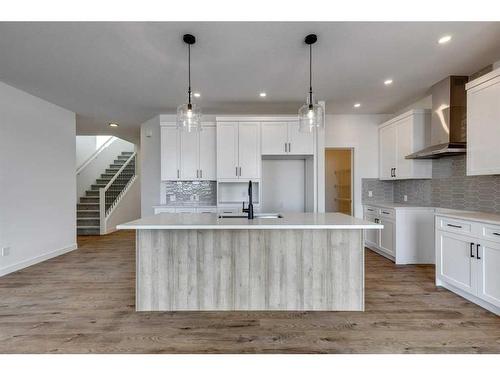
286, 118
404, 115
38, 259
95, 154
204, 124
380, 252
484, 78
478, 301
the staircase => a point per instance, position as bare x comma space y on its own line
88, 210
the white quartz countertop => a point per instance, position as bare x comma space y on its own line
397, 205
483, 217
288, 221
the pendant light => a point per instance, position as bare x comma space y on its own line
189, 114
310, 114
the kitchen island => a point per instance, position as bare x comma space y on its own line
202, 262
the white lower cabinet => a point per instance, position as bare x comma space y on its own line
185, 210
407, 236
467, 264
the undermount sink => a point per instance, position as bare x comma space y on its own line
256, 216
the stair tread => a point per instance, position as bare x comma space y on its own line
87, 227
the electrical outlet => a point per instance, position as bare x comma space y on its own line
196, 197
5, 251
172, 197
405, 198
370, 193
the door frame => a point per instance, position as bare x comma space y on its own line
352, 150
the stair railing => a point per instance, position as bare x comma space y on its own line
106, 209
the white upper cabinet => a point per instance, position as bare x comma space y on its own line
238, 150
274, 138
299, 143
483, 124
170, 153
208, 155
399, 137
249, 150
284, 138
188, 156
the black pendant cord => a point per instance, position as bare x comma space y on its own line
310, 77
189, 75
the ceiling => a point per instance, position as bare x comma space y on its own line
128, 72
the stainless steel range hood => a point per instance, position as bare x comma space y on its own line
449, 119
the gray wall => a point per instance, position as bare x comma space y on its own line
37, 179
449, 188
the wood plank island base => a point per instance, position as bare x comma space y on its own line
299, 262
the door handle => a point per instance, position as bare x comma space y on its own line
471, 250
477, 251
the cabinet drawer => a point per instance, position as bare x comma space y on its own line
159, 210
387, 213
370, 210
490, 232
454, 225
206, 210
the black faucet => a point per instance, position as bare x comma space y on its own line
249, 210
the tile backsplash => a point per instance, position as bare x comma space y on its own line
186, 191
449, 188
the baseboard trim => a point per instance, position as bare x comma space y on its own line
381, 252
469, 297
41, 258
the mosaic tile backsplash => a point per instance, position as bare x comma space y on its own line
449, 188
184, 191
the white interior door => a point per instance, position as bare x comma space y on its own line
169, 153
208, 154
455, 260
227, 150
249, 150
387, 152
274, 138
387, 236
189, 155
489, 272
299, 143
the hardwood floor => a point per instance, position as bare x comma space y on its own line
83, 302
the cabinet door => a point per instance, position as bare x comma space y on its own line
249, 150
189, 155
227, 149
274, 138
387, 241
489, 272
455, 265
483, 129
404, 131
170, 153
387, 151
299, 143
207, 154
371, 235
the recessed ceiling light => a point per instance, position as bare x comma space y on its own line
357, 105
197, 94
113, 125
388, 82
444, 39
262, 94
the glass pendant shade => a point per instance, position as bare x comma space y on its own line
189, 117
310, 117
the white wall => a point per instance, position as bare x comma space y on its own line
37, 179
85, 147
359, 132
149, 164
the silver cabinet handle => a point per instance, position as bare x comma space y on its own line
289, 147
236, 171
285, 148
178, 174
369, 209
240, 172
197, 173
201, 173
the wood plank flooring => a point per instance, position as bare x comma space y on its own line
83, 302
